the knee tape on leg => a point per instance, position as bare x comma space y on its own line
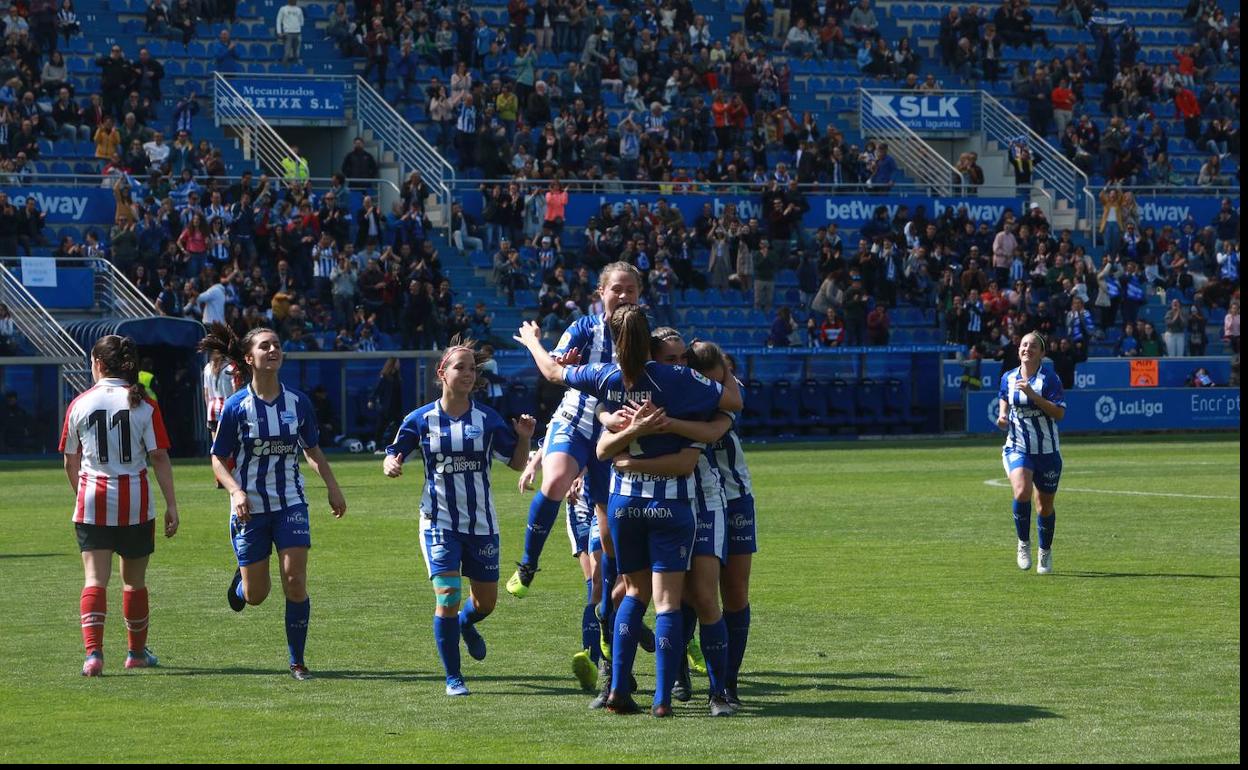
447, 590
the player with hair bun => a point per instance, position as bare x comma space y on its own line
111, 431
457, 438
1032, 402
255, 455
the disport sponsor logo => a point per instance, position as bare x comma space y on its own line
269, 447
488, 552
453, 464
706, 525
741, 521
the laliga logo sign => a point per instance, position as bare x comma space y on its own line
1106, 409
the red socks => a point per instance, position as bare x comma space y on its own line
94, 607
134, 608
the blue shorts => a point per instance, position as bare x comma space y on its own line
579, 523
564, 437
595, 537
255, 540
651, 535
1046, 470
742, 537
447, 551
712, 532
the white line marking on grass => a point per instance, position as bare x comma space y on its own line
1006, 483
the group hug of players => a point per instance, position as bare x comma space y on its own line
642, 449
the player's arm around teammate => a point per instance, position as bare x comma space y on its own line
111, 431
1032, 452
570, 436
459, 525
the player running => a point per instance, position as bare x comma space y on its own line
1032, 402
111, 431
261, 430
651, 518
573, 432
457, 438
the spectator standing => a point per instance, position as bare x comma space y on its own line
225, 53
359, 164
1230, 327
1176, 330
290, 31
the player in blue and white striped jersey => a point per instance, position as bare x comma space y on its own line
650, 516
458, 438
1032, 402
573, 432
261, 431
702, 584
734, 585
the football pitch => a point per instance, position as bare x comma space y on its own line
890, 624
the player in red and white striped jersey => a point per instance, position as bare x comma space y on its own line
219, 384
110, 433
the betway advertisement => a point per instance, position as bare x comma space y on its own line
1136, 409
843, 210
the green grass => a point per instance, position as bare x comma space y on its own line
890, 624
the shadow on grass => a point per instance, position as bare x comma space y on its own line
390, 676
1079, 574
756, 691
31, 555
907, 711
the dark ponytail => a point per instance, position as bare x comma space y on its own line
222, 339
119, 358
630, 333
704, 357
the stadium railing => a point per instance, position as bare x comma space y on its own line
395, 134
43, 333
913, 153
260, 142
1068, 181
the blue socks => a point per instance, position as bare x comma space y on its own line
1022, 520
738, 626
624, 642
542, 515
446, 636
714, 639
468, 615
590, 630
1045, 525
669, 635
689, 616
238, 591
297, 614
608, 583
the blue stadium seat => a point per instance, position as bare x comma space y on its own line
842, 404
871, 404
757, 411
813, 404
785, 412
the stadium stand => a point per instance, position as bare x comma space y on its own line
682, 99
